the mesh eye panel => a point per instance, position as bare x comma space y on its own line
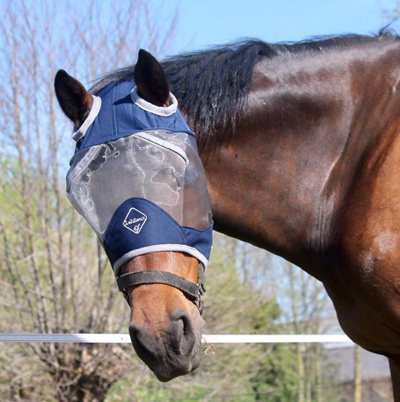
158, 165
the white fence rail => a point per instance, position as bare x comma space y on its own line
212, 339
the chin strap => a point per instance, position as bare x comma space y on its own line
193, 291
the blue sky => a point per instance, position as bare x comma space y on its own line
207, 22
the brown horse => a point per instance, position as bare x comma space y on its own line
301, 150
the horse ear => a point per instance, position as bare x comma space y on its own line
150, 79
72, 96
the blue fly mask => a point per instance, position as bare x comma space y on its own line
137, 178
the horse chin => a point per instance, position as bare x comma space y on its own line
173, 369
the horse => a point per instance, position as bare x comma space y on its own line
300, 146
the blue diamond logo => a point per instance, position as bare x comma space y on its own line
135, 220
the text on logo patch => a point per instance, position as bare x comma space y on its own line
135, 220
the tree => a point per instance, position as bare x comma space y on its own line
305, 309
55, 276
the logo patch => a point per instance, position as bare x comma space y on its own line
135, 220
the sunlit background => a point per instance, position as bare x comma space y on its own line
55, 277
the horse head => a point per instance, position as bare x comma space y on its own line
137, 179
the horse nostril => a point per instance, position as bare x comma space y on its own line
133, 333
144, 346
182, 331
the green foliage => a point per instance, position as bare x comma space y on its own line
275, 379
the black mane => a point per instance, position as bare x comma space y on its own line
212, 85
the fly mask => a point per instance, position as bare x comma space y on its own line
138, 180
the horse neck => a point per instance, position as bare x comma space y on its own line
281, 180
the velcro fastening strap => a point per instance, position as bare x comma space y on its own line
165, 278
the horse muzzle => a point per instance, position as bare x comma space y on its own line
172, 352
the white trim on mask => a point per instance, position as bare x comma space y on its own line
159, 247
146, 135
94, 111
149, 107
